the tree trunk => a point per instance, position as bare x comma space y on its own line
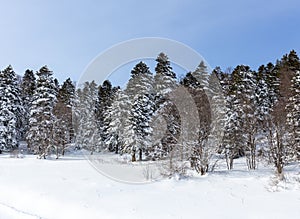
231, 163
140, 154
56, 150
202, 171
117, 148
279, 160
133, 158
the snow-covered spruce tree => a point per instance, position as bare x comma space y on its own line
234, 136
218, 107
165, 78
141, 112
63, 127
140, 91
218, 111
105, 97
248, 109
267, 91
269, 111
140, 82
116, 117
271, 73
11, 110
232, 133
293, 117
27, 88
293, 107
250, 117
105, 134
265, 96
76, 115
87, 132
164, 109
202, 76
293, 60
225, 86
40, 133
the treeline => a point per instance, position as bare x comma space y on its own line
239, 112
263, 112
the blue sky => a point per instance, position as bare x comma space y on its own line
66, 35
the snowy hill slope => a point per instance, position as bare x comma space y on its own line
71, 188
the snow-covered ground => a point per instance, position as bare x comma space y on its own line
71, 187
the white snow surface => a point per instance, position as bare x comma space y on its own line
71, 188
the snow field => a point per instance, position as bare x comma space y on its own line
71, 188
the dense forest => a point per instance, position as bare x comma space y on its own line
202, 116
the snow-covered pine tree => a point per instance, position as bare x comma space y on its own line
293, 107
202, 76
63, 127
27, 88
129, 115
271, 113
232, 132
140, 82
165, 78
272, 79
293, 61
129, 136
293, 117
234, 135
225, 86
264, 101
76, 116
140, 91
105, 97
218, 111
164, 109
104, 131
141, 117
117, 117
40, 134
11, 110
87, 132
250, 118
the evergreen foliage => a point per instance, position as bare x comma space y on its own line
41, 123
11, 110
27, 89
238, 113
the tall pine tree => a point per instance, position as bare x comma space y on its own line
105, 97
165, 110
63, 127
116, 117
40, 134
87, 132
293, 116
140, 91
27, 89
11, 110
